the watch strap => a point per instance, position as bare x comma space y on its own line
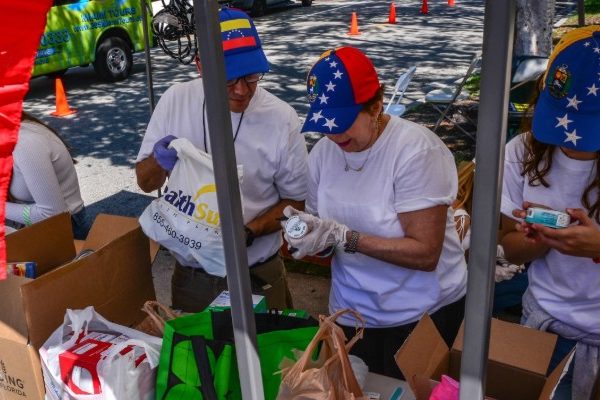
249, 236
351, 245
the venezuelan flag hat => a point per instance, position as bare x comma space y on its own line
241, 45
338, 86
567, 112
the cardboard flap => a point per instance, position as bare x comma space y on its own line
554, 377
154, 248
107, 228
49, 243
518, 346
116, 280
13, 325
423, 352
20, 372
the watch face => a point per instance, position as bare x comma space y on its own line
295, 227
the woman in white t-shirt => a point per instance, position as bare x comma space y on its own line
44, 181
380, 189
556, 166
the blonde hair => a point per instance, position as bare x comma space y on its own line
466, 179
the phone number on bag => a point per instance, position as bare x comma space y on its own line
191, 243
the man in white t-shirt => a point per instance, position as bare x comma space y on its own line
268, 145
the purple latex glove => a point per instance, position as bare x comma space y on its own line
164, 156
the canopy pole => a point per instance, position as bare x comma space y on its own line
208, 34
149, 83
498, 35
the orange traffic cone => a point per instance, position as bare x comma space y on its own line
392, 18
424, 8
354, 25
62, 106
451, 3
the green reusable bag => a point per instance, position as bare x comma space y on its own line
197, 359
178, 375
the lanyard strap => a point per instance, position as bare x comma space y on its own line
237, 130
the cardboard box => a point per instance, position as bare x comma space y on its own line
223, 302
517, 363
116, 279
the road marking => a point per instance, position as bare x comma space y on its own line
337, 8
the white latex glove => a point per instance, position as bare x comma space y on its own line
505, 270
322, 233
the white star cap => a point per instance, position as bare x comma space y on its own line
564, 122
316, 116
330, 123
573, 102
572, 137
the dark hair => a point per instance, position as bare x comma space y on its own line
25, 116
373, 100
537, 162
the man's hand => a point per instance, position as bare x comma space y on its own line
322, 233
164, 156
581, 240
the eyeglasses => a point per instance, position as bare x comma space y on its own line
252, 78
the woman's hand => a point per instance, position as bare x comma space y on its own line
581, 240
322, 234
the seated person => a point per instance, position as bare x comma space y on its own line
44, 182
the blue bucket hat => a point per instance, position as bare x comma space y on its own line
567, 112
241, 45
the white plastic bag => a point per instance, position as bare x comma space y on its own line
127, 370
185, 219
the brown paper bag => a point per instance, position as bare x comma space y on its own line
330, 377
158, 314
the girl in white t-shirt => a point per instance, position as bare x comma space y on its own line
380, 190
556, 166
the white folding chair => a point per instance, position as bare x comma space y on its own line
442, 99
394, 106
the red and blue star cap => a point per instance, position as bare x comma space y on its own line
338, 85
567, 112
241, 45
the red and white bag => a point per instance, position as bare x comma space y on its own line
91, 358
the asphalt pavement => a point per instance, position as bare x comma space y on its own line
107, 129
111, 117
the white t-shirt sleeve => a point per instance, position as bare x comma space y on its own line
157, 127
426, 180
32, 155
513, 182
290, 177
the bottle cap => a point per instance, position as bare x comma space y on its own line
295, 227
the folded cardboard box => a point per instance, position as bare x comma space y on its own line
517, 362
115, 278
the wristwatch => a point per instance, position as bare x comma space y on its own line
352, 244
249, 236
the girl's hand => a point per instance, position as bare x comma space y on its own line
526, 227
581, 240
